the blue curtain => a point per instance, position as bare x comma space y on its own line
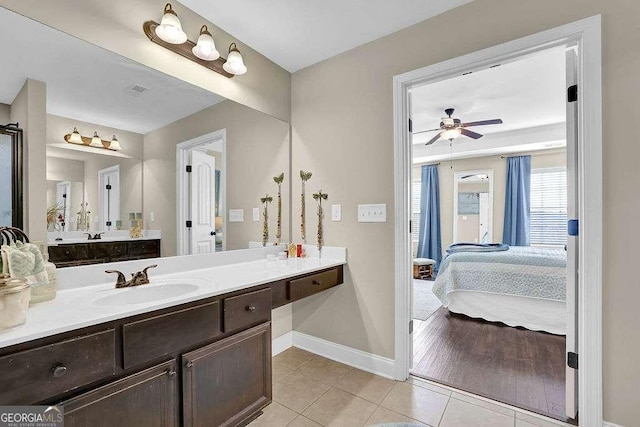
517, 201
429, 243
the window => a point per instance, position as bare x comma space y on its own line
549, 207
416, 189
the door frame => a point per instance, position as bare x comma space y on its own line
456, 176
586, 34
182, 185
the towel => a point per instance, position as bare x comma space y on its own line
24, 261
476, 247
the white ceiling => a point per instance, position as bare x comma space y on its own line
297, 33
529, 93
87, 83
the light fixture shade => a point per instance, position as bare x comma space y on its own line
96, 141
75, 137
114, 144
235, 63
451, 133
170, 28
205, 48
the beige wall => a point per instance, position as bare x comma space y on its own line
343, 132
59, 169
257, 150
29, 109
116, 25
5, 114
447, 171
130, 168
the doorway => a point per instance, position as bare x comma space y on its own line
201, 194
585, 36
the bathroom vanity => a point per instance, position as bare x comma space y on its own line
98, 251
191, 348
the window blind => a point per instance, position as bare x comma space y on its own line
548, 207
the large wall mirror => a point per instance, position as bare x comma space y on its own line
131, 151
473, 206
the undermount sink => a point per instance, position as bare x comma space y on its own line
145, 293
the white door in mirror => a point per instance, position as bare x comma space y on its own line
203, 197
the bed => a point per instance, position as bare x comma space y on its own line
522, 286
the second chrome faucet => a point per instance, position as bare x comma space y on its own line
137, 279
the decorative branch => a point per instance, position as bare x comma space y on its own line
278, 180
265, 214
320, 196
305, 176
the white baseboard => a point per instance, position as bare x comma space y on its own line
608, 424
281, 343
349, 356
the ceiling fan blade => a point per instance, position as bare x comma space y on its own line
470, 134
483, 122
434, 139
425, 131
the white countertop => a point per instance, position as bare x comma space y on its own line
73, 237
77, 306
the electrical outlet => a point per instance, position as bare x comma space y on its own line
152, 216
236, 215
372, 213
336, 212
256, 214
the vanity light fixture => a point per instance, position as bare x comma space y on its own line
170, 28
235, 64
205, 48
75, 137
169, 34
96, 141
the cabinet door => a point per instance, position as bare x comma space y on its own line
229, 381
147, 398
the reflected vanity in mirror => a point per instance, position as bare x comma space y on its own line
138, 163
473, 206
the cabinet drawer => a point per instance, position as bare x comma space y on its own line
108, 250
72, 252
144, 247
34, 375
302, 288
151, 338
247, 309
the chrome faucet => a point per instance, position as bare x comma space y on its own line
137, 279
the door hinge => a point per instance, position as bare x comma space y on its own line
573, 227
410, 125
189, 223
410, 226
572, 360
572, 93
188, 168
410, 326
108, 186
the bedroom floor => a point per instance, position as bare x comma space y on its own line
512, 365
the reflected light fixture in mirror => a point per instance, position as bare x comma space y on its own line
96, 141
114, 144
170, 28
205, 48
235, 63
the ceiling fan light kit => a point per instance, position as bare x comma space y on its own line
170, 35
451, 128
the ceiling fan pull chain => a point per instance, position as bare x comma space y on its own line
451, 153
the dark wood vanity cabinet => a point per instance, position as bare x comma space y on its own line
75, 254
204, 363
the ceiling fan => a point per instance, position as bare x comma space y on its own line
451, 128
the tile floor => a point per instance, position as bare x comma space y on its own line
309, 390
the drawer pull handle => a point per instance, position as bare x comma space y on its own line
251, 308
189, 365
316, 282
59, 370
171, 373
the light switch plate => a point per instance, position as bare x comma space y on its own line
152, 216
236, 215
336, 212
372, 213
256, 214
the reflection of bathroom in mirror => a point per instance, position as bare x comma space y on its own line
121, 167
473, 206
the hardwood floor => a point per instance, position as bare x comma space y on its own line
512, 365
